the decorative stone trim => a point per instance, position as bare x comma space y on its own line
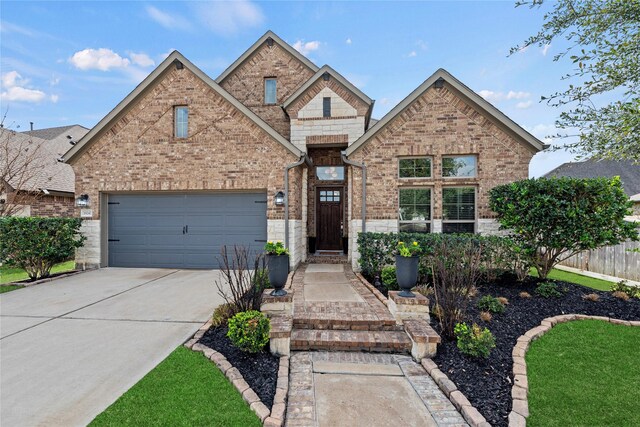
270, 418
520, 389
403, 309
424, 340
373, 289
459, 400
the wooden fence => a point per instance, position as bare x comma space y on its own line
611, 260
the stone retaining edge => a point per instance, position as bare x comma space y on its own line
520, 390
269, 418
459, 400
372, 288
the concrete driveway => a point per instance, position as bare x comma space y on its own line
71, 347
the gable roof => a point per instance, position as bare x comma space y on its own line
476, 99
247, 54
628, 172
327, 69
175, 57
62, 138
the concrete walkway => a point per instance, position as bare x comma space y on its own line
69, 348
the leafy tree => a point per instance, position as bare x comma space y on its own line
556, 218
604, 46
37, 244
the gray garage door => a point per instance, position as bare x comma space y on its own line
183, 230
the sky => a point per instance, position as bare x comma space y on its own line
72, 62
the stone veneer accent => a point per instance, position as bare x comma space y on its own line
273, 417
520, 389
88, 256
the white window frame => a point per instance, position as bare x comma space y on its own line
430, 220
177, 124
475, 208
430, 158
452, 156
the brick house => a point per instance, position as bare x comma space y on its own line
276, 148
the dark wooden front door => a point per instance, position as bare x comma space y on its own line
329, 218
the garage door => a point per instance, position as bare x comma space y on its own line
183, 230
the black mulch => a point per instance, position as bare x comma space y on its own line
259, 370
487, 383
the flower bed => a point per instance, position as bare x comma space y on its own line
487, 382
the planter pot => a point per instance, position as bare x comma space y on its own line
278, 266
407, 274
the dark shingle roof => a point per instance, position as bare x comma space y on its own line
60, 138
628, 172
50, 133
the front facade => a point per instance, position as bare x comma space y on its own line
275, 149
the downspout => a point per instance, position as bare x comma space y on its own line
362, 166
303, 159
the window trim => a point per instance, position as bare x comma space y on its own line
475, 208
475, 176
264, 99
414, 158
175, 121
431, 207
324, 107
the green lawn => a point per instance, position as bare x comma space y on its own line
585, 373
9, 288
186, 389
8, 275
579, 279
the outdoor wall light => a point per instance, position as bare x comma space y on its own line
83, 201
279, 198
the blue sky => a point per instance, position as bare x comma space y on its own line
72, 62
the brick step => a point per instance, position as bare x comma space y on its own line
340, 340
340, 322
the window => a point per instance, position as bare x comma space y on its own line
329, 196
414, 211
459, 166
458, 210
330, 173
270, 91
181, 117
326, 107
414, 168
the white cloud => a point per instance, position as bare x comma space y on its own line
9, 79
306, 48
384, 101
54, 98
412, 54
169, 21
348, 40
518, 95
545, 49
524, 105
228, 18
141, 59
98, 59
490, 95
14, 89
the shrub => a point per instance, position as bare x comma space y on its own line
261, 279
503, 300
491, 304
485, 316
630, 291
553, 219
242, 277
425, 290
474, 341
548, 290
37, 244
389, 278
249, 331
621, 295
524, 294
223, 313
591, 297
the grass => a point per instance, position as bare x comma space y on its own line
8, 275
9, 288
186, 389
585, 373
578, 279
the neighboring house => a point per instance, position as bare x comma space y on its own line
35, 181
276, 148
628, 172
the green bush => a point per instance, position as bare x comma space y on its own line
223, 313
549, 290
553, 219
261, 280
631, 291
249, 331
389, 278
491, 304
36, 244
474, 341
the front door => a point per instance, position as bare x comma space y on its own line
329, 218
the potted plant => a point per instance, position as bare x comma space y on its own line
407, 260
278, 266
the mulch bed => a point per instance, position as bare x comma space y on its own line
487, 383
259, 370
42, 280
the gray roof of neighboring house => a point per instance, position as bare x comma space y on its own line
44, 171
628, 172
61, 137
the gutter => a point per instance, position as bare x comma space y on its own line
343, 155
303, 159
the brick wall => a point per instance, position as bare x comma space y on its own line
53, 206
246, 83
438, 123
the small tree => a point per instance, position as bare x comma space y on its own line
556, 218
37, 244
